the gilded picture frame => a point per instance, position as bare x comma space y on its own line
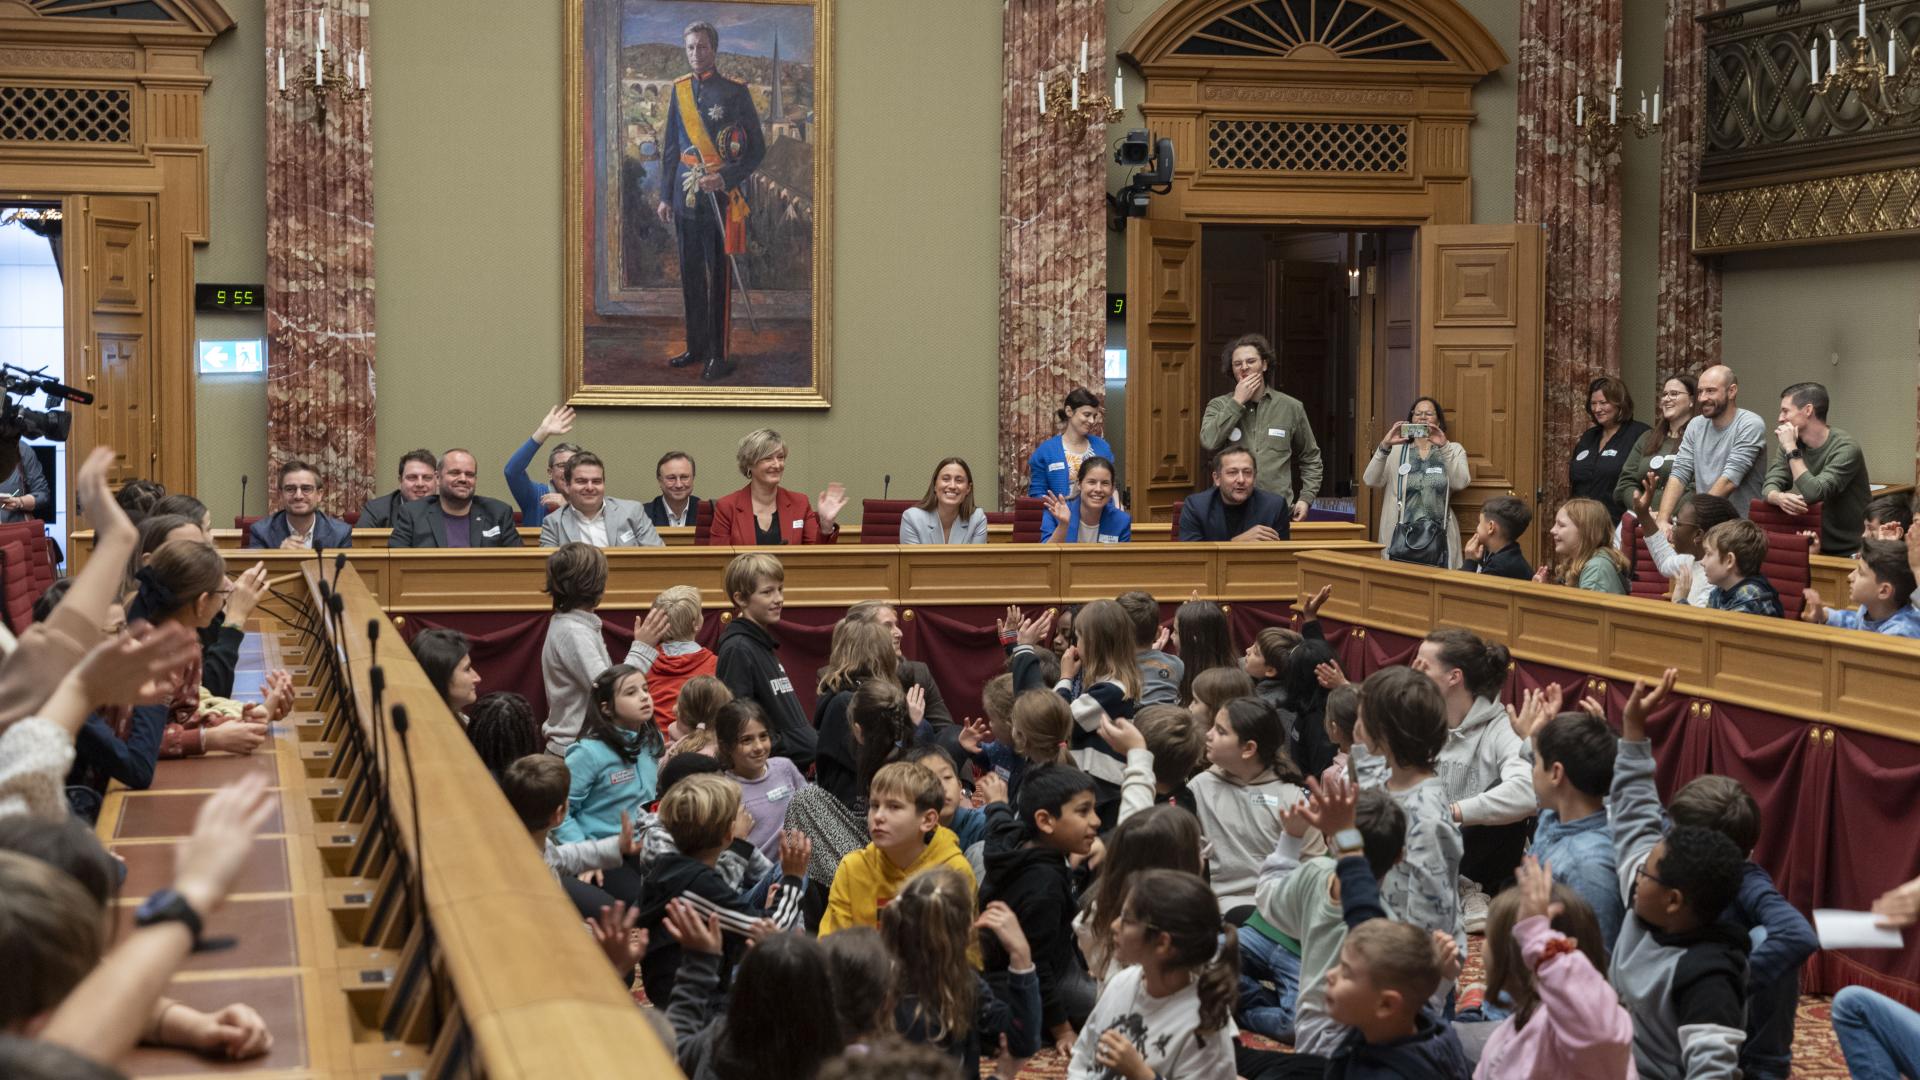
655, 309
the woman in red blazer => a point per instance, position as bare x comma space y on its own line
763, 512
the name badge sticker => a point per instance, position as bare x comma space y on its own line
1109, 538
1277, 432
780, 793
1234, 435
1434, 470
620, 776
1582, 455
1406, 467
1261, 798
799, 524
1656, 462
1058, 466
495, 531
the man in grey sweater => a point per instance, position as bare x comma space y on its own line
1722, 452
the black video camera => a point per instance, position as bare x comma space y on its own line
1154, 160
19, 422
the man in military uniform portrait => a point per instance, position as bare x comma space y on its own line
713, 144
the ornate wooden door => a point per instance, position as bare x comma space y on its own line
1164, 460
1482, 305
112, 297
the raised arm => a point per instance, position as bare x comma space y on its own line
1636, 820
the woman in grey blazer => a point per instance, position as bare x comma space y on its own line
947, 514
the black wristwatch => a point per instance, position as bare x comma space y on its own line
1794, 454
169, 906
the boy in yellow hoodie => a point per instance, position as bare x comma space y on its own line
903, 818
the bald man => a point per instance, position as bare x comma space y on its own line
1722, 452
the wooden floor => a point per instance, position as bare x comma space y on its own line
293, 961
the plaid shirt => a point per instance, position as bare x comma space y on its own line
1754, 595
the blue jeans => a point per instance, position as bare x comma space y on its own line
1879, 1036
1263, 1011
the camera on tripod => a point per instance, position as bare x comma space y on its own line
19, 422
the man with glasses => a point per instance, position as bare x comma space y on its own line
456, 517
299, 524
1269, 423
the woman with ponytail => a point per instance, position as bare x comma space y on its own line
185, 582
1168, 1012
1055, 463
1488, 780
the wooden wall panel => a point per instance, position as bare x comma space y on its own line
994, 574
1168, 571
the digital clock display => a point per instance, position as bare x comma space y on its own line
229, 297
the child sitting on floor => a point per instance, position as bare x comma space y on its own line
903, 820
1239, 798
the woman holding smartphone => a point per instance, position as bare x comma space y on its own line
1419, 469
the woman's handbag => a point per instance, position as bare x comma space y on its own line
1422, 540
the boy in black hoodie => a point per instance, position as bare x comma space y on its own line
756, 583
1027, 869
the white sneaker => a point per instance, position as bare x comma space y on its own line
1473, 910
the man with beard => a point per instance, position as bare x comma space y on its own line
456, 517
299, 525
1722, 452
1235, 510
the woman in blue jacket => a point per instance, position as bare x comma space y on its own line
1051, 469
1091, 518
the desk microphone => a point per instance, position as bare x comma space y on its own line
885, 483
243, 494
400, 726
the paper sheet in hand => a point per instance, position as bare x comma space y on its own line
1853, 930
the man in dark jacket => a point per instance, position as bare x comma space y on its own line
1234, 508
419, 478
676, 504
746, 660
455, 518
300, 523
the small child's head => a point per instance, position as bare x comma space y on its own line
1695, 518
1214, 687
622, 714
1144, 612
1688, 879
1206, 641
1342, 711
892, 1058
1503, 519
1403, 718
937, 761
700, 701
699, 741
1573, 751
681, 766
1247, 738
928, 928
1063, 630
1176, 739
903, 806
1385, 974
1042, 725
996, 700
1459, 661
881, 725
1267, 656
1582, 529
1881, 575
68, 846
756, 585
1055, 808
1105, 634
500, 726
1171, 922
742, 740
781, 976
51, 936
1161, 837
682, 605
1507, 969
1300, 679
536, 787
576, 577
699, 813
1732, 552
1889, 517
1383, 830
1722, 804
861, 650
860, 971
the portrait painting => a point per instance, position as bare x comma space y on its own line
698, 195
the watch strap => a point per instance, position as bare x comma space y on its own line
169, 906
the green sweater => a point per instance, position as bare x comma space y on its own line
1600, 575
1836, 476
1273, 426
1639, 463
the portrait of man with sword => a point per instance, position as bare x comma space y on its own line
713, 143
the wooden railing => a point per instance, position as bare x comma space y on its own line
1846, 678
500, 980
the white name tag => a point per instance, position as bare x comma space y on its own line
1609, 453
1406, 467
1582, 455
799, 523
626, 536
779, 793
1003, 772
620, 776
1277, 432
1656, 462
495, 531
1234, 435
1432, 469
1061, 466
1261, 798
1108, 538
782, 685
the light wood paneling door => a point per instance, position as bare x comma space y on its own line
1163, 365
112, 298
1482, 304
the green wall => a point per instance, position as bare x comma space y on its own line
468, 190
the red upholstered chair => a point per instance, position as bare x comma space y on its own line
1643, 574
703, 522
1788, 565
1027, 512
351, 517
999, 517
244, 522
17, 593
880, 519
1174, 519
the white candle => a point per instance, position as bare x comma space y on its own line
1117, 86
1579, 110
1813, 63
280, 59
1863, 18
1043, 97
1613, 107
1083, 41
1075, 103
1643, 103
1891, 53
1833, 55
319, 78
323, 32
1656, 108
1616, 71
361, 67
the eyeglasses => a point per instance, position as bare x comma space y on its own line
1665, 394
298, 489
1642, 871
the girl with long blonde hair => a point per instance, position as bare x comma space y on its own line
937, 995
1584, 555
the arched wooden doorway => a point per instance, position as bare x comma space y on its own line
1338, 113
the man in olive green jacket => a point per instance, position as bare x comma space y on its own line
1264, 420
1818, 465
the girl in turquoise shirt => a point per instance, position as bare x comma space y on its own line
615, 762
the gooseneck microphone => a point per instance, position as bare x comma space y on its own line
885, 483
243, 494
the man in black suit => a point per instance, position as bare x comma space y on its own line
456, 517
419, 477
676, 504
1234, 509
